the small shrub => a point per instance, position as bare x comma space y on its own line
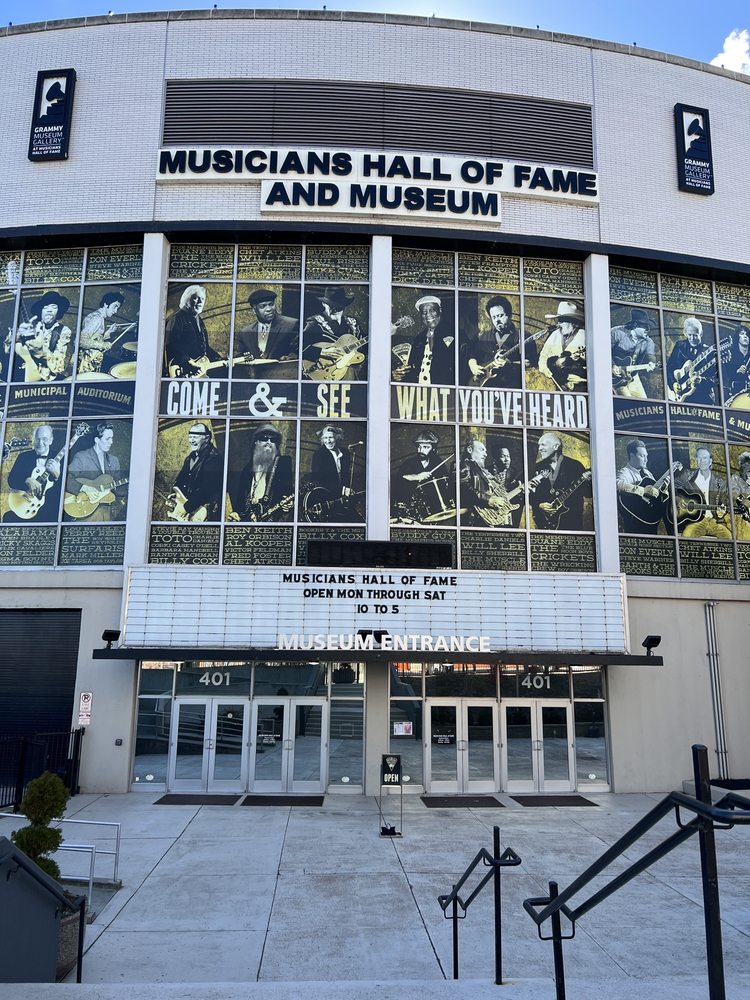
44, 801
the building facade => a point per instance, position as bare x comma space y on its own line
381, 384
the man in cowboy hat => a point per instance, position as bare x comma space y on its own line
334, 346
424, 483
633, 353
272, 335
563, 357
43, 343
432, 358
264, 490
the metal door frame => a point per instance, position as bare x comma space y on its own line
538, 783
206, 783
286, 784
463, 785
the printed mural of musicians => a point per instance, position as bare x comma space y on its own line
493, 357
635, 357
44, 344
429, 357
739, 485
95, 485
334, 342
489, 490
562, 358
271, 339
334, 487
691, 366
561, 484
190, 352
34, 483
187, 487
735, 368
263, 489
643, 499
423, 481
703, 499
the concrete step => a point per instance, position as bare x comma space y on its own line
624, 988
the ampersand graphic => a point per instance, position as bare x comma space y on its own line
271, 406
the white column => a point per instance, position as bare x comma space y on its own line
150, 328
596, 281
379, 398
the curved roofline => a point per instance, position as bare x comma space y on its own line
373, 18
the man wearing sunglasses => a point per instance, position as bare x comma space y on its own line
264, 490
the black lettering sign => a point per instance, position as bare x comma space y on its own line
648, 556
185, 544
706, 560
257, 546
92, 545
563, 553
490, 550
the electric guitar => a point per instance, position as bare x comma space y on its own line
176, 508
15, 444
204, 365
318, 501
550, 519
501, 359
624, 374
687, 378
497, 513
92, 493
26, 504
259, 511
335, 359
649, 510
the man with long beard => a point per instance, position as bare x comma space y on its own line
264, 489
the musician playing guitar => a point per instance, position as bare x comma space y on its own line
707, 493
638, 485
96, 333
563, 356
485, 488
264, 490
35, 471
494, 357
691, 368
739, 484
633, 355
186, 337
332, 340
566, 475
197, 488
92, 475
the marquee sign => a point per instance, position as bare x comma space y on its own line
370, 182
398, 610
53, 107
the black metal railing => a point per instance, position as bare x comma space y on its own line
23, 758
495, 862
729, 811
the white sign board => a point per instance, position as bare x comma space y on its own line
84, 708
445, 611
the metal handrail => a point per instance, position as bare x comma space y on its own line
89, 822
495, 862
728, 812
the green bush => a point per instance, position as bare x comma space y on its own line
44, 801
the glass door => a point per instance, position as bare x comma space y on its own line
461, 746
208, 749
538, 746
289, 745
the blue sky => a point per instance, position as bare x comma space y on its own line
690, 27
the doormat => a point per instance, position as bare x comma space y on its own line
175, 799
552, 800
283, 800
733, 784
462, 802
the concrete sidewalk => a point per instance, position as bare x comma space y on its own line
279, 901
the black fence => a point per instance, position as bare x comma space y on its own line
23, 758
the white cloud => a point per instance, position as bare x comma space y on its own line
736, 52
